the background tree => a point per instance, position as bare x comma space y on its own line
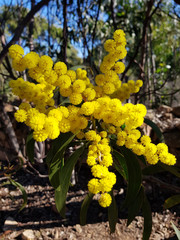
74, 32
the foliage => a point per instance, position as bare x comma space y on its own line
92, 118
7, 173
176, 231
81, 107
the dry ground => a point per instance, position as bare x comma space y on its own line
42, 221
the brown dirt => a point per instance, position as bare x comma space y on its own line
41, 217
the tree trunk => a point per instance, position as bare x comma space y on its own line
31, 28
144, 45
65, 35
10, 132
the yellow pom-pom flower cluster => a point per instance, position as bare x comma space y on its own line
88, 104
99, 159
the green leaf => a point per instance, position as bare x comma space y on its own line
54, 170
63, 211
120, 164
147, 219
172, 169
30, 147
60, 203
24, 194
63, 145
57, 145
158, 70
176, 231
84, 208
152, 169
55, 157
142, 159
64, 178
172, 201
134, 176
135, 207
155, 128
112, 214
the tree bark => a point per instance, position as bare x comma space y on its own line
31, 28
113, 14
65, 35
148, 17
10, 132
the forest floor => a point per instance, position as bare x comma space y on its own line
40, 220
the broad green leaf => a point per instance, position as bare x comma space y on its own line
120, 164
57, 145
135, 206
176, 231
155, 128
147, 219
172, 169
60, 203
134, 175
63, 146
84, 208
152, 169
142, 159
54, 170
112, 214
30, 147
24, 194
55, 157
172, 201
64, 178
63, 211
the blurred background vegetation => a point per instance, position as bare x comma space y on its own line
75, 31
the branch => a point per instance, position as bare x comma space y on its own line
145, 24
8, 67
5, 75
81, 22
36, 171
112, 14
162, 184
169, 15
21, 27
97, 16
156, 8
155, 91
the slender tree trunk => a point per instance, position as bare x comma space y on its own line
174, 82
153, 68
149, 79
10, 132
113, 14
49, 31
144, 44
65, 35
31, 28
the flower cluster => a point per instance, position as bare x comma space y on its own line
89, 104
100, 158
